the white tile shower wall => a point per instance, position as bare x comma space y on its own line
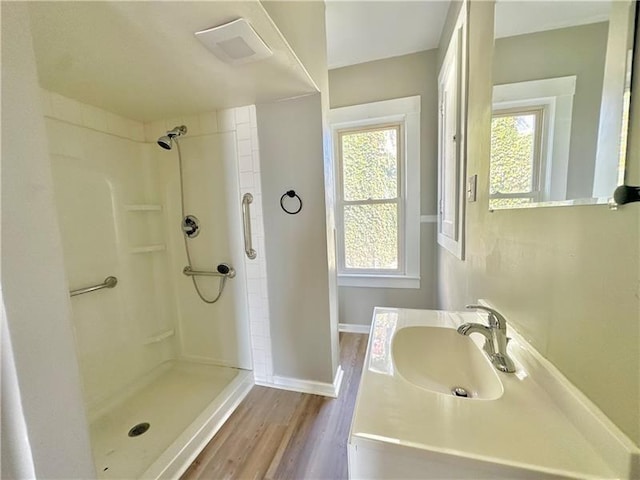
244, 121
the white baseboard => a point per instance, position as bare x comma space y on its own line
353, 328
307, 386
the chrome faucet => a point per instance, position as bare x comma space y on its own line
496, 340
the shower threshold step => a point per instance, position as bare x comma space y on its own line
146, 207
159, 337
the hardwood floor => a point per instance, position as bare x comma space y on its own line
276, 434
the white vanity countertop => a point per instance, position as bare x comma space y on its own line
528, 426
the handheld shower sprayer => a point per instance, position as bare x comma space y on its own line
226, 269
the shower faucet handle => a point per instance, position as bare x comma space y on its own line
191, 226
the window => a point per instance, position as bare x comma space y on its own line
515, 176
377, 196
534, 119
370, 198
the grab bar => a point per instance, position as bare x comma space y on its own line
247, 198
199, 273
109, 282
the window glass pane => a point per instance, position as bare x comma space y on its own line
371, 236
370, 164
512, 153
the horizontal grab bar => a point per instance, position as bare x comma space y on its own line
109, 282
199, 273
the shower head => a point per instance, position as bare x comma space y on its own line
166, 141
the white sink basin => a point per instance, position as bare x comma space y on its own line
441, 360
530, 424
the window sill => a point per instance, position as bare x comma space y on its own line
378, 281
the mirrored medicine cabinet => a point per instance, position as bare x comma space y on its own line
561, 95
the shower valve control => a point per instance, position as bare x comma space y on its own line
191, 226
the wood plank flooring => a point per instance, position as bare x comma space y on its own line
276, 434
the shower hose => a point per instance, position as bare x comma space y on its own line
223, 280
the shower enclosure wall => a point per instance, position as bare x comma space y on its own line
150, 351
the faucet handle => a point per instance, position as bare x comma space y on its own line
495, 318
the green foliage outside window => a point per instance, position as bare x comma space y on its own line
371, 236
369, 165
512, 158
370, 172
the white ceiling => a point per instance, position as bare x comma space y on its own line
362, 31
142, 60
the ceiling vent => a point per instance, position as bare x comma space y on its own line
235, 42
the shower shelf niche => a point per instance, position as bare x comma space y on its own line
143, 207
159, 337
148, 249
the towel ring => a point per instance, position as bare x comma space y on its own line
290, 194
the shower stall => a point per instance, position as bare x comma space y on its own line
160, 365
169, 313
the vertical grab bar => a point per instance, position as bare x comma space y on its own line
247, 198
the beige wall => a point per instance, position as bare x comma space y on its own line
396, 77
34, 287
303, 25
290, 135
576, 51
567, 277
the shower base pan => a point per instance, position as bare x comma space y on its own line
159, 429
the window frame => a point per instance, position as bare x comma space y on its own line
539, 152
406, 113
399, 200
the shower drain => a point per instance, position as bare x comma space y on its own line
139, 429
